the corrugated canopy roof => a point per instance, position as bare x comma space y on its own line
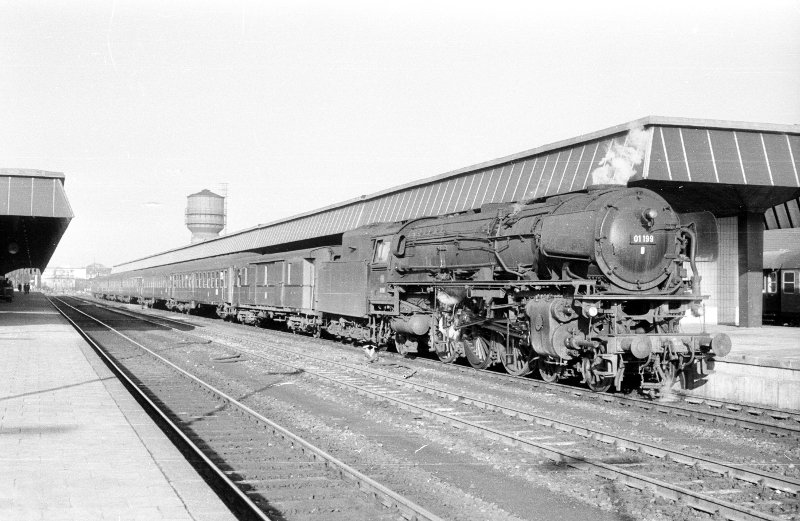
34, 214
754, 166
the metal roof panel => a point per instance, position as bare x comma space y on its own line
754, 161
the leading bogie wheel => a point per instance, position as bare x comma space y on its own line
549, 369
596, 382
517, 361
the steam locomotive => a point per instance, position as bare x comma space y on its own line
591, 285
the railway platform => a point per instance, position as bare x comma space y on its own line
763, 367
73, 443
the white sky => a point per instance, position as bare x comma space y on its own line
297, 105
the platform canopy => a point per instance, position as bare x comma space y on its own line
725, 167
34, 214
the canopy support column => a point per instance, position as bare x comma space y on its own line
751, 265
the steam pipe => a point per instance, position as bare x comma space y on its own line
503, 264
693, 250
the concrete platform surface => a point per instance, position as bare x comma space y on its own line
769, 346
763, 367
74, 445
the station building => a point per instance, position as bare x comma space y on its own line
745, 174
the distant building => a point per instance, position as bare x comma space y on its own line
59, 279
63, 279
97, 270
24, 276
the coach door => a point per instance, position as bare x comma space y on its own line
771, 305
228, 277
309, 276
139, 287
298, 283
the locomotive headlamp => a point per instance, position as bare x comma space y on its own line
591, 311
13, 248
649, 216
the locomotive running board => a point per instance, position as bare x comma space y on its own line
498, 283
641, 297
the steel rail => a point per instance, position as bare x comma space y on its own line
676, 409
716, 416
774, 481
389, 498
229, 486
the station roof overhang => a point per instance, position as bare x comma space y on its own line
34, 214
725, 167
721, 166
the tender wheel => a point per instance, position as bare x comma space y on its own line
479, 354
517, 360
549, 369
595, 382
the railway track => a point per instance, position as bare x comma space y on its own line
778, 422
713, 486
262, 469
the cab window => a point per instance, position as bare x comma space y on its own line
381, 251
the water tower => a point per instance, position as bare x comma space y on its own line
205, 215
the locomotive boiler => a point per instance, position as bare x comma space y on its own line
591, 284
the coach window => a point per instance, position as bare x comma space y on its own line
381, 251
771, 282
789, 283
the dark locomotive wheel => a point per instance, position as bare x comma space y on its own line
600, 384
595, 382
517, 360
549, 369
450, 353
479, 354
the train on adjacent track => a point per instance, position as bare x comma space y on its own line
781, 291
591, 285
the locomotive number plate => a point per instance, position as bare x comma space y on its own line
642, 238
